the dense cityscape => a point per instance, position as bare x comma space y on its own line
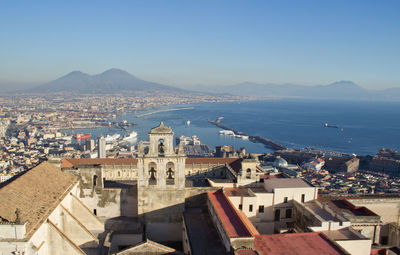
200, 127
33, 129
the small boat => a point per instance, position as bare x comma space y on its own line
330, 126
188, 122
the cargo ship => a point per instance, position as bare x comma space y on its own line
82, 136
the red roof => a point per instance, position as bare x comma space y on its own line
245, 252
296, 243
235, 223
211, 161
74, 162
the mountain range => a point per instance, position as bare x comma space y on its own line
118, 81
110, 81
346, 90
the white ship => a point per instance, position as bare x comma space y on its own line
226, 132
130, 137
112, 138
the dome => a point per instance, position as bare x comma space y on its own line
280, 162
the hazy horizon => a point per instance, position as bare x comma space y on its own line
212, 43
15, 85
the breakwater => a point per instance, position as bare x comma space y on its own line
255, 139
163, 110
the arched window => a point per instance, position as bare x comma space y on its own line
161, 148
170, 174
152, 174
248, 173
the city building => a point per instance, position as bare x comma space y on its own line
165, 202
41, 213
102, 147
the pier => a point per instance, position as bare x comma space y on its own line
255, 139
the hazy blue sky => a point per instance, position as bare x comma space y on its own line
204, 42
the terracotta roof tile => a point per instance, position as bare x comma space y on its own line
235, 223
296, 244
35, 193
75, 162
212, 161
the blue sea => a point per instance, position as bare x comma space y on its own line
363, 127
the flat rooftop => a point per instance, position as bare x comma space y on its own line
287, 183
237, 192
346, 208
296, 244
343, 234
235, 223
317, 210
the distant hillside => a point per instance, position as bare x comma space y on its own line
110, 81
338, 90
118, 81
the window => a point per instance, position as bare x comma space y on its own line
277, 216
285, 199
94, 180
248, 173
261, 209
288, 213
303, 197
250, 208
240, 207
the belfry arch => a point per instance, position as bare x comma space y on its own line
170, 173
161, 147
152, 173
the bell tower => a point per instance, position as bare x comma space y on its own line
161, 183
161, 142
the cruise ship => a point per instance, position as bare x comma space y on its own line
112, 138
132, 136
